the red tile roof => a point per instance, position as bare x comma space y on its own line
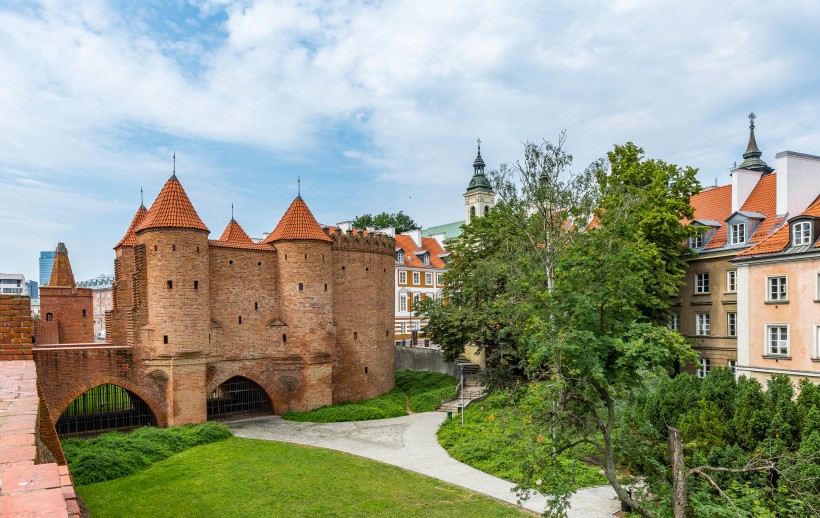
130, 239
235, 234
172, 209
716, 204
235, 237
412, 253
297, 223
779, 240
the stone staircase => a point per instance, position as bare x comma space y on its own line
472, 389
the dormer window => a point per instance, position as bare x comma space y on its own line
737, 233
425, 259
400, 256
801, 233
696, 242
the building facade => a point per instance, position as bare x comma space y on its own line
102, 288
735, 218
46, 264
13, 284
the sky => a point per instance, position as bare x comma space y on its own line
376, 106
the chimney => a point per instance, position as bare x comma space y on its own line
415, 235
344, 226
743, 183
798, 181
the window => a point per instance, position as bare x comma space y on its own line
196, 285
486, 209
284, 338
472, 212
816, 341
440, 276
425, 259
731, 281
49, 316
84, 314
301, 286
702, 283
403, 303
801, 233
777, 288
240, 320
400, 256
733, 366
403, 328
674, 322
402, 277
165, 339
731, 324
703, 367
170, 285
428, 279
702, 324
416, 300
777, 340
737, 233
696, 242
416, 277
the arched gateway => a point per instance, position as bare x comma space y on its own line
236, 398
104, 408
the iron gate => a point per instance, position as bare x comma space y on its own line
237, 398
104, 408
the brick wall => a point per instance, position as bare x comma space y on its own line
15, 327
71, 311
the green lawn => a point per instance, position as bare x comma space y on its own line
423, 390
246, 478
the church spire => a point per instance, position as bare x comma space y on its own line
751, 157
478, 163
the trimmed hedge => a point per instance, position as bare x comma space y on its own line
113, 455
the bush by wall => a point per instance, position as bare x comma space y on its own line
113, 455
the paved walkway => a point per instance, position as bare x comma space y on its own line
410, 443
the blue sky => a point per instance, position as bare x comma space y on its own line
376, 105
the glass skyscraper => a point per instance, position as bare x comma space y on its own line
46, 264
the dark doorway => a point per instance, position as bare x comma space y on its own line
102, 409
238, 398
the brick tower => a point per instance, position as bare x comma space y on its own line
172, 264
305, 287
66, 310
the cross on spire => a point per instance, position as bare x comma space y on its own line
142, 198
752, 118
232, 211
299, 186
479, 146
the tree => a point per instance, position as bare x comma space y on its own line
587, 285
400, 221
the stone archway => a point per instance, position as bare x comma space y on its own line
103, 408
236, 398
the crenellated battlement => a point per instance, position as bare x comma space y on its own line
361, 241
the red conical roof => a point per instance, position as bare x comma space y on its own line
297, 223
235, 235
130, 239
61, 274
172, 209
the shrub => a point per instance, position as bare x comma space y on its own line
113, 455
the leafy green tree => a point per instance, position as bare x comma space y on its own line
399, 220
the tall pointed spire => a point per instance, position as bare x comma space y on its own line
130, 239
478, 163
142, 199
479, 182
751, 157
174, 170
172, 209
298, 223
232, 219
61, 274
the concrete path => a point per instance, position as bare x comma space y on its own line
410, 443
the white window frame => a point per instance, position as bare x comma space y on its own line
402, 328
801, 233
440, 276
816, 354
733, 366
731, 324
403, 302
696, 242
731, 281
704, 366
780, 295
416, 299
702, 283
737, 233
768, 328
703, 324
428, 279
426, 258
416, 278
400, 256
402, 277
674, 322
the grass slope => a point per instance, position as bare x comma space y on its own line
425, 390
250, 478
496, 441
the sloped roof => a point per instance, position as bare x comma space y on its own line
172, 209
234, 236
714, 204
413, 253
298, 223
450, 230
130, 238
780, 239
763, 199
61, 274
